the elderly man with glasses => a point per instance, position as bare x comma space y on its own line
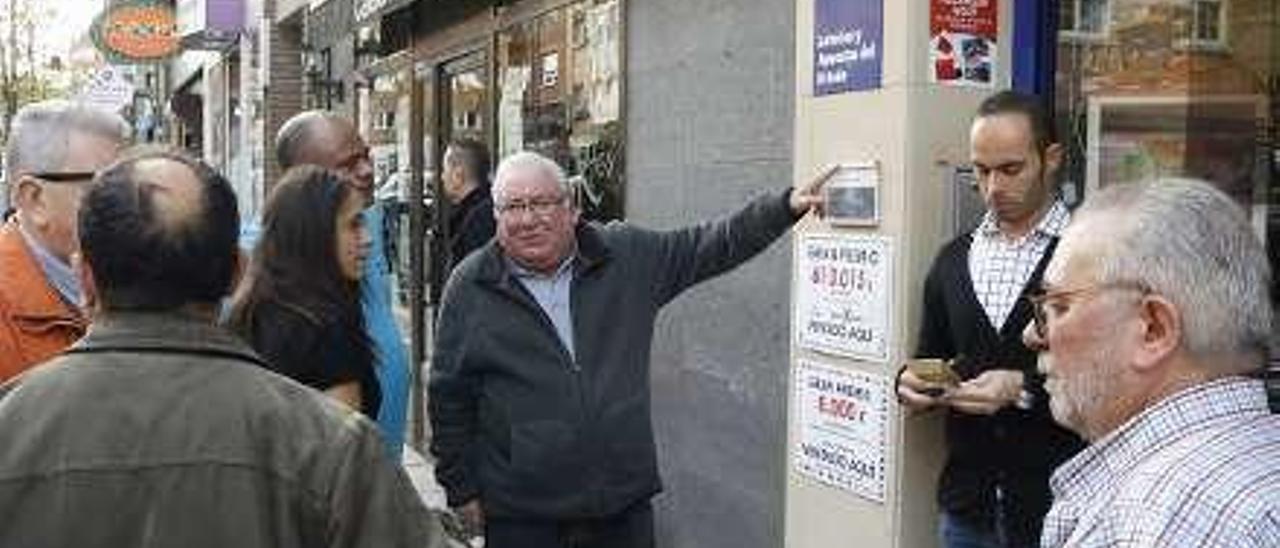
54, 150
1153, 316
540, 376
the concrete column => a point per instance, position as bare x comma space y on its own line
917, 131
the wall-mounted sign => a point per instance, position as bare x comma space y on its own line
843, 294
550, 69
848, 43
962, 41
853, 195
136, 31
108, 90
210, 24
843, 419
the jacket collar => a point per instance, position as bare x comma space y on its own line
171, 330
23, 287
476, 198
592, 253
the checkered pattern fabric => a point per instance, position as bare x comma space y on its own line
1000, 267
1199, 468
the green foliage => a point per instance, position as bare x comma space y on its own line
24, 78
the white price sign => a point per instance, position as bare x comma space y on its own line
843, 418
843, 294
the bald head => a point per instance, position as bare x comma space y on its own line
295, 136
328, 140
174, 191
158, 232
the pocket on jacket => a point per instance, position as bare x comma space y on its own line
542, 447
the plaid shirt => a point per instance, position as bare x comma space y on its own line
1000, 267
1199, 468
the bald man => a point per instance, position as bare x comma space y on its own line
157, 428
331, 141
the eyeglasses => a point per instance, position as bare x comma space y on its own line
65, 176
542, 207
1040, 299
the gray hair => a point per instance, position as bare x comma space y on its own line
296, 132
1192, 244
529, 160
41, 132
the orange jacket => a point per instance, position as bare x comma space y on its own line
35, 323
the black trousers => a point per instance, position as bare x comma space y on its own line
631, 528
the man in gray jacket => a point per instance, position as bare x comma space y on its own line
157, 428
540, 376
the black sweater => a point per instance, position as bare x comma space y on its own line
1015, 450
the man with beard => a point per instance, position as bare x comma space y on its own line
1152, 314
1002, 443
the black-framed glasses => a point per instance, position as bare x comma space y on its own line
65, 176
1040, 298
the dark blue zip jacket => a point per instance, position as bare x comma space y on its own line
516, 421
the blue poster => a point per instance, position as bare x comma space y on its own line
848, 39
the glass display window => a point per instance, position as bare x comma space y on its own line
1184, 88
559, 93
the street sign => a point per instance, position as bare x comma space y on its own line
108, 90
136, 31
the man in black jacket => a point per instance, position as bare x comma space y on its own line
466, 185
540, 377
1002, 442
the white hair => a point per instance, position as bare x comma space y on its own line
529, 160
1192, 244
41, 132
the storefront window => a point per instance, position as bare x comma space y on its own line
1086, 17
384, 114
1173, 88
1207, 21
468, 94
559, 84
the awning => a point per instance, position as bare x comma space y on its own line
210, 24
369, 10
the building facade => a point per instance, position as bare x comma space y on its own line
665, 112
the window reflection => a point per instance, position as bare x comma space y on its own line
1149, 88
559, 94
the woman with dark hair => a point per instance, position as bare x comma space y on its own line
299, 307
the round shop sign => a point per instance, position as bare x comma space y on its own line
138, 31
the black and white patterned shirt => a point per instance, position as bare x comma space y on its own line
1000, 267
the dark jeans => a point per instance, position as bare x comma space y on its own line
961, 532
957, 532
631, 528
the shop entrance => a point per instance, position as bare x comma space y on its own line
463, 91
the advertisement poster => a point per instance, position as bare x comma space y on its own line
843, 436
848, 39
962, 42
843, 294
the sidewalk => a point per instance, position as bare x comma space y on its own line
419, 467
422, 472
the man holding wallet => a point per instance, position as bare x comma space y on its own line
1002, 442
